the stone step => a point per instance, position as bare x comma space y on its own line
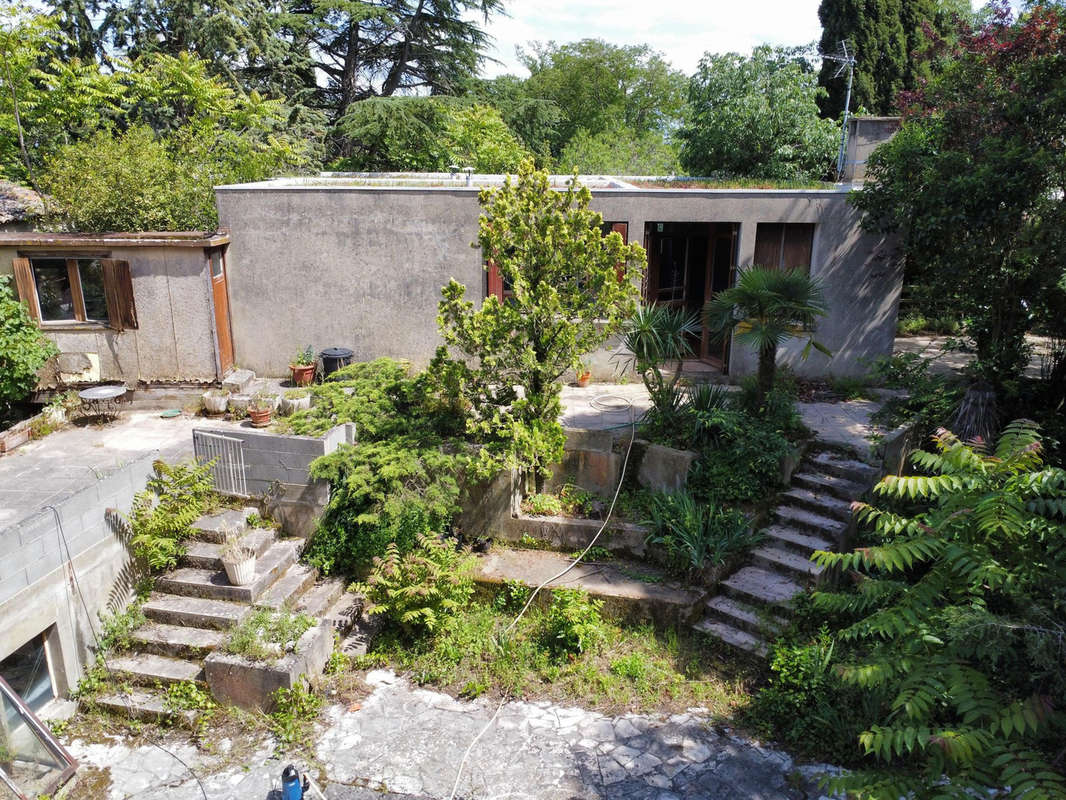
213, 527
177, 640
143, 704
803, 543
778, 558
201, 554
809, 522
740, 639
345, 611
820, 503
196, 612
825, 483
214, 585
841, 466
238, 380
317, 600
740, 615
148, 669
761, 587
289, 587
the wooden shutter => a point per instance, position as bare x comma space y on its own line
27, 287
768, 238
118, 292
495, 282
796, 250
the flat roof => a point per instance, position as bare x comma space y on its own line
143, 239
461, 181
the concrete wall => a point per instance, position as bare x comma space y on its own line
38, 591
864, 135
175, 340
362, 267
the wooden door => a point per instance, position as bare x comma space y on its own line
220, 296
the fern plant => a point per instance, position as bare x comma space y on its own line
417, 591
960, 606
162, 515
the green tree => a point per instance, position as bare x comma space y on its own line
756, 117
23, 350
533, 119
620, 151
600, 87
427, 134
764, 309
959, 603
976, 197
887, 38
571, 288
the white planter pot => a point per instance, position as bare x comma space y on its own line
290, 405
215, 402
240, 573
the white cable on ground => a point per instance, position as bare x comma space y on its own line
574, 563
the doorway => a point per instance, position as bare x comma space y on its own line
688, 262
220, 296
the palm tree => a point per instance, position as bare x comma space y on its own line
653, 336
767, 307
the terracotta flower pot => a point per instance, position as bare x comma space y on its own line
302, 374
260, 416
584, 379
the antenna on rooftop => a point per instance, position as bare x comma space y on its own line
847, 62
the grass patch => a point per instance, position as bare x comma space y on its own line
267, 635
632, 668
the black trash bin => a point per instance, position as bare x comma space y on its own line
333, 358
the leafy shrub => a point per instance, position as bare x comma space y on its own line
187, 696
400, 480
807, 705
543, 505
162, 515
573, 624
118, 628
267, 635
294, 711
511, 596
688, 535
959, 603
23, 349
931, 399
417, 591
742, 462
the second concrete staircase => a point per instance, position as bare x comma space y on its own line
814, 514
192, 608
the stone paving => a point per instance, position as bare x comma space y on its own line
408, 742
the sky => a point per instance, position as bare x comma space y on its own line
682, 29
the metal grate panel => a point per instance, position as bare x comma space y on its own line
227, 453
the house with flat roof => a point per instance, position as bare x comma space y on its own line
358, 260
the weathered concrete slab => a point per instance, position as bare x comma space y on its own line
664, 469
618, 584
563, 533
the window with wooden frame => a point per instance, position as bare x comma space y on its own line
784, 245
71, 290
496, 285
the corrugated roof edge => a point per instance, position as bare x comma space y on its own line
118, 239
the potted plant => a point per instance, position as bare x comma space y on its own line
215, 401
303, 367
584, 374
238, 561
294, 400
261, 409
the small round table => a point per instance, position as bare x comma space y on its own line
101, 401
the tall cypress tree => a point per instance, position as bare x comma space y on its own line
887, 38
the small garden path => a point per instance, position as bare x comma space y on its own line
409, 742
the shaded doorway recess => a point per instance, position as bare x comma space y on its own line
688, 262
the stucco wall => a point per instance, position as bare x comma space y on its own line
362, 267
38, 591
864, 136
174, 340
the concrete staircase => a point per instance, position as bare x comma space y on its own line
194, 606
814, 514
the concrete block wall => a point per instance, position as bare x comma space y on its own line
58, 575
